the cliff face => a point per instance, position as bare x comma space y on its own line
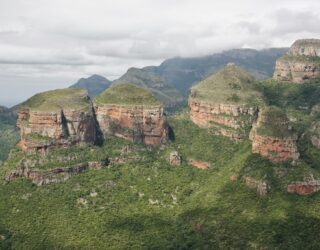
41, 129
223, 103
226, 119
301, 63
132, 113
134, 123
272, 137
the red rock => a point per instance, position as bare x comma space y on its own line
199, 164
134, 123
304, 188
233, 178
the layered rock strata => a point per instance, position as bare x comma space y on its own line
55, 175
55, 119
272, 136
301, 63
225, 102
304, 187
131, 120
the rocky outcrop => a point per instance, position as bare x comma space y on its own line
304, 187
134, 123
301, 63
55, 175
60, 126
223, 103
261, 186
131, 119
174, 159
225, 119
199, 164
272, 136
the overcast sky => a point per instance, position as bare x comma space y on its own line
48, 44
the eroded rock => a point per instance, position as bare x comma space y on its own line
301, 63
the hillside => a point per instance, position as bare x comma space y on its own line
56, 100
154, 82
182, 73
94, 84
8, 132
124, 93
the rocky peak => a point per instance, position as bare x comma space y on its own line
133, 113
94, 84
225, 102
301, 63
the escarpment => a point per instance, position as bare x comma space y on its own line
57, 118
132, 113
301, 63
272, 136
226, 102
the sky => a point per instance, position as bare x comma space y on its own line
49, 44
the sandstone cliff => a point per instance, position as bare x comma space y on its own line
225, 102
272, 136
132, 113
55, 119
301, 63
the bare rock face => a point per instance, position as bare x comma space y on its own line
304, 187
301, 63
174, 159
225, 119
55, 175
272, 136
131, 118
224, 103
54, 123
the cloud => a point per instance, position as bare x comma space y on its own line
45, 43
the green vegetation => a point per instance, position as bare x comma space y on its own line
127, 94
167, 94
55, 100
151, 205
230, 85
275, 123
8, 133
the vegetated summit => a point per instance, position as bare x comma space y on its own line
124, 93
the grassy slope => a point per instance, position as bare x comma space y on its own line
231, 215
55, 100
127, 94
230, 85
8, 133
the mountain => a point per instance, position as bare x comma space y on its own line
94, 84
182, 73
166, 93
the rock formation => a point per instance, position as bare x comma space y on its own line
199, 164
272, 136
301, 63
55, 175
174, 159
225, 102
57, 118
304, 187
261, 186
132, 113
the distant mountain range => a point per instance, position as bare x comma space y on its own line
94, 84
172, 79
